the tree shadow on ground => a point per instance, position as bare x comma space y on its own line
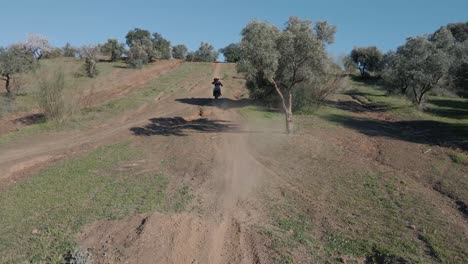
222, 103
369, 80
455, 104
178, 126
449, 108
356, 107
417, 131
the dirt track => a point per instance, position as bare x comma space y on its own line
218, 235
210, 149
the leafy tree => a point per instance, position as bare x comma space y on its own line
190, 56
348, 64
137, 35
37, 45
113, 48
367, 59
14, 60
232, 52
206, 53
179, 52
90, 53
68, 50
416, 68
459, 31
142, 50
137, 56
162, 45
285, 58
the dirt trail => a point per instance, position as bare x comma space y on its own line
221, 234
17, 158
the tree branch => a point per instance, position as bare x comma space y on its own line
283, 101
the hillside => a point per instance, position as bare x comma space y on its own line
148, 168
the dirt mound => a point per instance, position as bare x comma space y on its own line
177, 238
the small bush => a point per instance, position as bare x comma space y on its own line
313, 93
50, 96
459, 158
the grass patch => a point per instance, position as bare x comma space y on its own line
459, 158
182, 198
41, 217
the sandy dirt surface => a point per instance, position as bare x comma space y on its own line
221, 231
230, 167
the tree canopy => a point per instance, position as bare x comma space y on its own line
113, 48
162, 45
367, 59
284, 58
179, 52
206, 53
14, 60
232, 52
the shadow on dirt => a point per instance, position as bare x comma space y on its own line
222, 103
31, 119
418, 131
177, 126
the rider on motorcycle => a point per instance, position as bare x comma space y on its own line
217, 87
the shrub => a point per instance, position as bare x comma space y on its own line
50, 96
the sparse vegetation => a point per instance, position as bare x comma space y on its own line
51, 99
90, 54
63, 198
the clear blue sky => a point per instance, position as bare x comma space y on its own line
385, 24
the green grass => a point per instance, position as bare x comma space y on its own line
459, 158
173, 82
41, 217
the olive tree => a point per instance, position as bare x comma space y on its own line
416, 68
285, 58
206, 53
231, 52
179, 52
162, 45
367, 59
190, 56
14, 60
113, 48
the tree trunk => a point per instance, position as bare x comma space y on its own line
7, 83
286, 108
289, 116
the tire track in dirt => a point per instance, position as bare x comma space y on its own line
19, 155
221, 234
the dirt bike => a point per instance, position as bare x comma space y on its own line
217, 92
